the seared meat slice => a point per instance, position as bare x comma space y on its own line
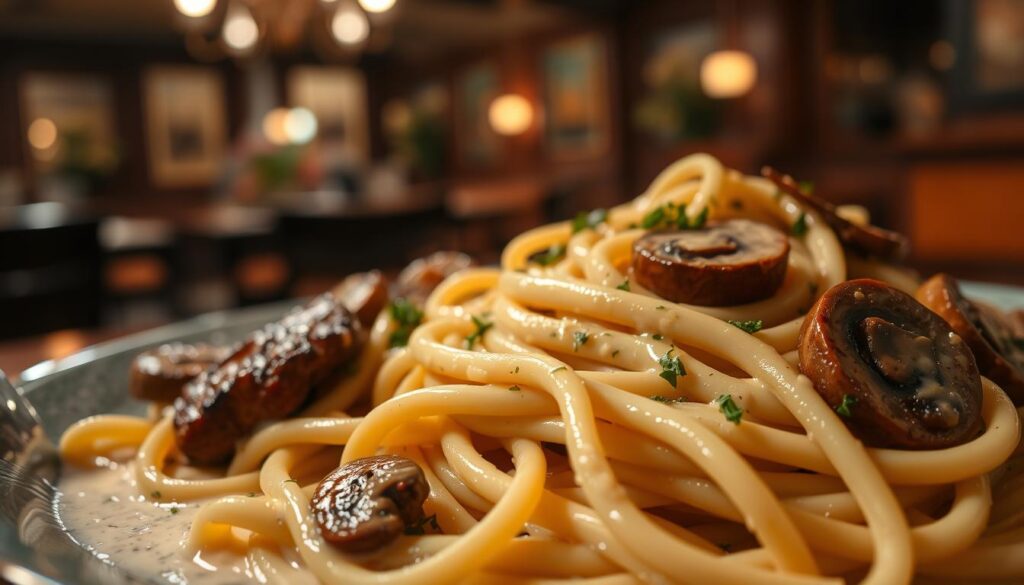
268, 377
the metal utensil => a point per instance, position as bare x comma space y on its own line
29, 470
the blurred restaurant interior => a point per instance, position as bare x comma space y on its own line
165, 158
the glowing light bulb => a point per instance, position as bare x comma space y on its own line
377, 6
510, 114
728, 74
299, 125
274, 126
42, 133
350, 26
240, 30
195, 8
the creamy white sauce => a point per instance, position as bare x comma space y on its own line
104, 512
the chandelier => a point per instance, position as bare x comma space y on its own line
334, 29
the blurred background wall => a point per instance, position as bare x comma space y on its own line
160, 158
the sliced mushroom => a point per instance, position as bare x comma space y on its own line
367, 503
158, 374
724, 263
866, 239
990, 336
897, 373
421, 276
365, 294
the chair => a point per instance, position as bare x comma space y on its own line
50, 270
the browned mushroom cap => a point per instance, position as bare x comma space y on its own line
991, 337
365, 504
364, 294
725, 263
895, 371
159, 374
866, 239
421, 276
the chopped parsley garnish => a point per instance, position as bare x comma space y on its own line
728, 408
514, 388
661, 308
578, 339
624, 286
700, 220
657, 337
671, 368
806, 186
156, 495
173, 510
591, 219
653, 218
670, 215
752, 326
615, 353
843, 409
800, 225
548, 256
481, 328
667, 400
407, 317
251, 494
558, 369
420, 528
295, 481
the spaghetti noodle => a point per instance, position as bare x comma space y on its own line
593, 430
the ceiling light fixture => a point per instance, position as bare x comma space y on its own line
195, 8
377, 6
350, 25
240, 30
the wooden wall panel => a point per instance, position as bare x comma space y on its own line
968, 211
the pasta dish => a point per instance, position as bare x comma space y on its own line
724, 380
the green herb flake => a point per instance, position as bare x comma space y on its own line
295, 481
624, 286
799, 227
667, 400
589, 220
752, 326
556, 370
514, 388
615, 353
653, 218
843, 409
481, 328
661, 308
657, 337
671, 368
700, 220
251, 494
173, 511
548, 256
407, 316
732, 412
806, 186
156, 495
579, 339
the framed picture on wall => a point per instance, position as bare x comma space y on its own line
575, 79
989, 39
68, 123
186, 131
337, 98
476, 143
